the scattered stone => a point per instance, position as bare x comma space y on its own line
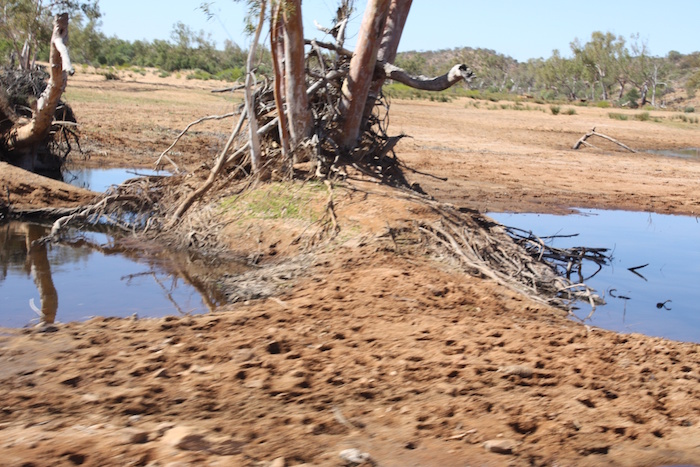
72, 380
90, 398
500, 446
518, 370
354, 456
229, 447
47, 328
139, 437
185, 438
291, 382
193, 442
162, 373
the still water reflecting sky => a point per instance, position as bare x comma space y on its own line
88, 282
670, 245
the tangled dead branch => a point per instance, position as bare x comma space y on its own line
485, 248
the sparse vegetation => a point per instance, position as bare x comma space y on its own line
618, 116
555, 109
278, 201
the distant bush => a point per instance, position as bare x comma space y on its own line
689, 109
617, 116
200, 74
472, 94
555, 109
570, 111
643, 117
230, 74
111, 76
603, 104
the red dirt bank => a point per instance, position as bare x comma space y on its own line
377, 348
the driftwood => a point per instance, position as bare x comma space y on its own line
583, 141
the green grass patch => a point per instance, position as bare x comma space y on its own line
617, 116
279, 201
643, 117
603, 105
555, 109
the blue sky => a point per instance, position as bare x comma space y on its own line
519, 28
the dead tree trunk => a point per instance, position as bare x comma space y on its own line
357, 85
398, 13
255, 149
23, 138
299, 115
277, 49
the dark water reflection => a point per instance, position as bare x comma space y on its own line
660, 299
91, 278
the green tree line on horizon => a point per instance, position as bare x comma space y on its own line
605, 68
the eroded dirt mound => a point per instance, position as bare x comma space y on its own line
25, 190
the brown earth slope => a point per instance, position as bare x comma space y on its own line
376, 346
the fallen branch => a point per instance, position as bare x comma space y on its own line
183, 132
583, 139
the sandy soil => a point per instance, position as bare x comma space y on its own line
376, 346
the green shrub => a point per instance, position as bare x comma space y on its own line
689, 110
617, 116
230, 74
472, 94
111, 76
555, 109
570, 111
603, 104
199, 74
643, 117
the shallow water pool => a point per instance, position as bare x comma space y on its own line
660, 299
72, 283
101, 179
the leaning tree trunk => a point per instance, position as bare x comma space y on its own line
23, 138
277, 50
298, 112
357, 85
255, 149
395, 22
